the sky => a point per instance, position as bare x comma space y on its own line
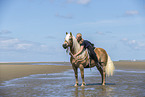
34, 30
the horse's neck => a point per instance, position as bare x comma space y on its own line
76, 46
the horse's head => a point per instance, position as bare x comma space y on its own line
68, 40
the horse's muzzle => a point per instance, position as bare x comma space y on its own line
64, 46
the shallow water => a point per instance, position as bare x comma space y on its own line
122, 84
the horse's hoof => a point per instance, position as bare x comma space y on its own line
103, 84
83, 84
76, 84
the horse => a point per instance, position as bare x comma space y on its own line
84, 61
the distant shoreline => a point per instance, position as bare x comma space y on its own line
131, 60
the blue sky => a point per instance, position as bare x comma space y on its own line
34, 30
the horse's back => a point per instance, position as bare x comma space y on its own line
100, 51
101, 54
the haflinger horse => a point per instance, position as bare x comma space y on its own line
84, 61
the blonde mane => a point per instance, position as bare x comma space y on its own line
76, 45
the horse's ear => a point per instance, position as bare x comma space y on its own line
66, 33
70, 33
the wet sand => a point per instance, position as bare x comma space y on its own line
130, 65
58, 81
8, 72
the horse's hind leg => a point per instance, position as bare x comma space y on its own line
104, 75
101, 72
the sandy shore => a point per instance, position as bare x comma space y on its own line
129, 65
8, 72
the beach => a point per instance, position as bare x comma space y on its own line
11, 71
58, 80
129, 65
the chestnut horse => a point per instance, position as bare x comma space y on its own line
83, 60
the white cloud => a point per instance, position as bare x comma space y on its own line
82, 2
9, 41
24, 46
140, 45
16, 44
70, 1
132, 12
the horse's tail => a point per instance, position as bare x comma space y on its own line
109, 67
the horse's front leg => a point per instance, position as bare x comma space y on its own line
82, 74
76, 75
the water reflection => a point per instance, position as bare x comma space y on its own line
79, 91
94, 90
